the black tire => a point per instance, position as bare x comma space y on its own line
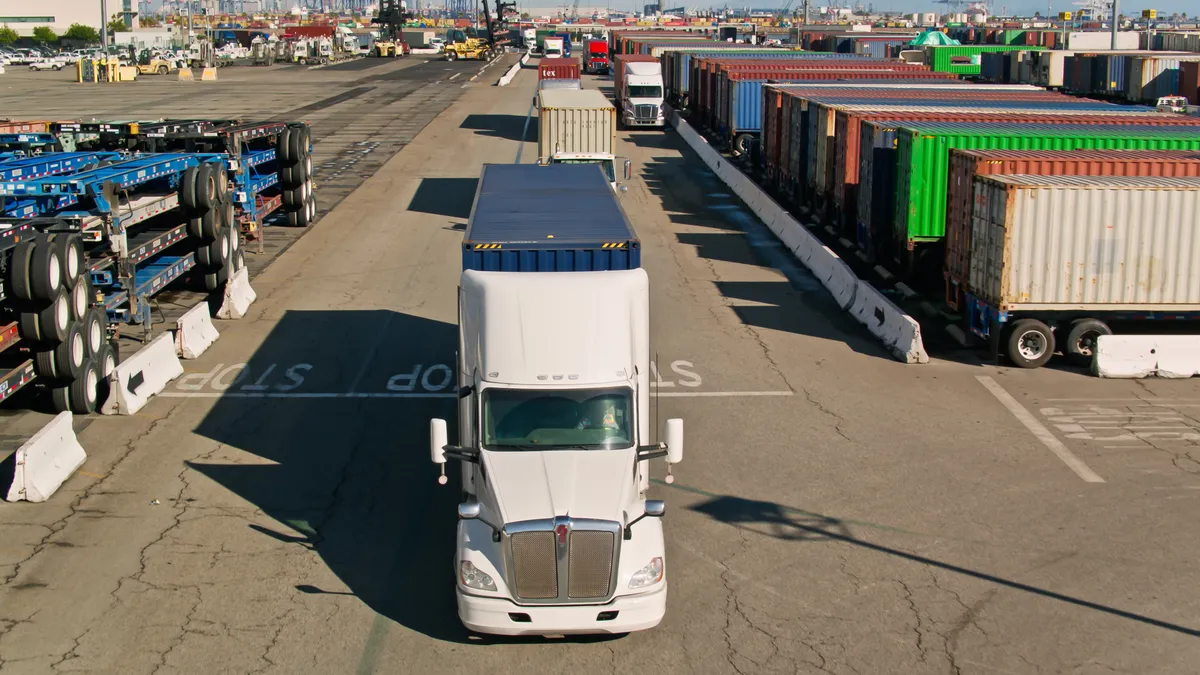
54, 321
451, 56
64, 360
85, 390
94, 330
70, 255
228, 215
60, 398
294, 176
239, 260
29, 327
293, 218
293, 199
296, 146
81, 298
204, 226
312, 209
1030, 343
283, 146
212, 281
187, 188
206, 188
1080, 344
106, 359
18, 271
235, 241
216, 254
45, 270
221, 178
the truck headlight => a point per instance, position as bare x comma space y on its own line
473, 577
648, 575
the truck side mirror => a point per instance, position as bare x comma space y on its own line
655, 508
437, 441
468, 510
628, 169
674, 435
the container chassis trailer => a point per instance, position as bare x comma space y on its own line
88, 237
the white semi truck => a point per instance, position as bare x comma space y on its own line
578, 126
556, 534
641, 95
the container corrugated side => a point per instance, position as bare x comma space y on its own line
965, 165
963, 60
876, 185
590, 129
843, 182
1100, 243
923, 156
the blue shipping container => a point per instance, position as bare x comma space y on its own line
556, 218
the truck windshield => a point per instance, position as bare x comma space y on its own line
558, 419
645, 91
606, 165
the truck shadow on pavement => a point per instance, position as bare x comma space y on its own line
692, 195
792, 524
450, 197
509, 127
335, 409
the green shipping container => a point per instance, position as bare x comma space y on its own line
541, 36
923, 155
963, 59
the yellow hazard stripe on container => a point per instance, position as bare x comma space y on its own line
614, 245
480, 247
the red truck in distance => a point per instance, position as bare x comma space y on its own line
595, 57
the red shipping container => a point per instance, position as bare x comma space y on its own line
964, 165
619, 69
1189, 81
558, 69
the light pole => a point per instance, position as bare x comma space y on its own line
104, 24
1115, 13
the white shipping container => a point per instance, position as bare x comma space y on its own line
575, 121
1083, 242
1093, 40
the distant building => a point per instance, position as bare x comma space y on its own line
25, 15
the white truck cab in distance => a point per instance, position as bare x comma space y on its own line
642, 95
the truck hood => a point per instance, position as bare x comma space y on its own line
576, 483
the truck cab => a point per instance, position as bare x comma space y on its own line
642, 95
595, 56
552, 47
556, 534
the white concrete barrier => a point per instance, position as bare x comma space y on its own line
238, 296
525, 57
424, 51
195, 332
141, 376
507, 78
898, 331
1135, 356
45, 461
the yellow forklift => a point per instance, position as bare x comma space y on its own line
391, 19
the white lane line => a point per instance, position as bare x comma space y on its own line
1173, 401
395, 394
1039, 430
727, 394
454, 75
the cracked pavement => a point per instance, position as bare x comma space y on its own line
880, 519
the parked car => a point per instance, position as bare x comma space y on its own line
51, 63
438, 43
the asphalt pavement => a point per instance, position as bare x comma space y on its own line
836, 511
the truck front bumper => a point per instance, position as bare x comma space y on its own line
631, 121
500, 616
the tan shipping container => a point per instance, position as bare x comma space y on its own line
1084, 243
575, 121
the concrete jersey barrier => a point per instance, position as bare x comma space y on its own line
44, 462
238, 296
895, 329
136, 380
194, 332
1137, 356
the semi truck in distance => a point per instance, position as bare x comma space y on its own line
641, 94
578, 126
556, 533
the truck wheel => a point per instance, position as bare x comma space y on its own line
81, 298
187, 188
741, 144
85, 389
45, 269
1030, 343
1081, 339
18, 271
93, 330
452, 56
162, 70
206, 187
70, 254
283, 147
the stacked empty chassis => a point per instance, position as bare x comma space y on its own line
51, 298
293, 151
211, 225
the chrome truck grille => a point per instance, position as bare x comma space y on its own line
645, 112
563, 560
